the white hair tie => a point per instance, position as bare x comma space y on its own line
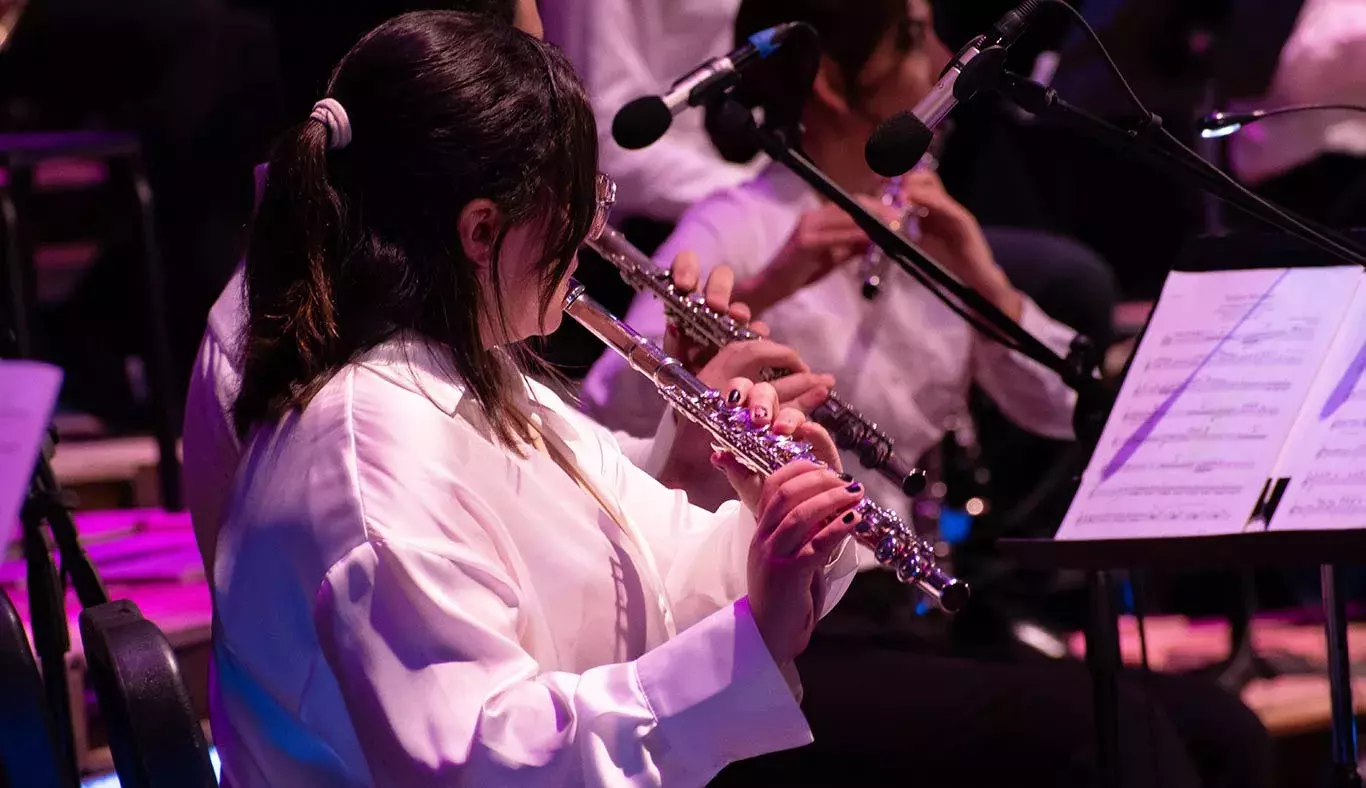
329, 112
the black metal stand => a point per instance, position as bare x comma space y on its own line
1245, 551
47, 504
1343, 769
1244, 662
1186, 169
1103, 661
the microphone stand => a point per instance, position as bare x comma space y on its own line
1188, 169
1077, 369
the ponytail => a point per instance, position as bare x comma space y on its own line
292, 335
357, 243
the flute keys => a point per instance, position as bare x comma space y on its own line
887, 550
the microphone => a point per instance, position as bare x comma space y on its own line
899, 142
643, 121
1222, 124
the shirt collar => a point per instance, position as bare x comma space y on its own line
419, 365
423, 367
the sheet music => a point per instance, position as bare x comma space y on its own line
1212, 393
1325, 459
28, 392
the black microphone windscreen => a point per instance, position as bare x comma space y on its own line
897, 145
641, 123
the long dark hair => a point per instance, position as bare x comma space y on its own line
353, 246
849, 34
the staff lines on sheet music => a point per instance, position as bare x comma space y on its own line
1141, 433
1207, 385
1153, 515
1341, 453
1198, 435
1209, 412
1303, 329
1319, 479
1194, 466
1164, 490
1260, 358
1343, 504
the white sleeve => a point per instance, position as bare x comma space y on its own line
613, 57
702, 556
650, 454
455, 699
1031, 395
210, 445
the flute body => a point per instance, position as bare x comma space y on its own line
704, 325
874, 265
893, 542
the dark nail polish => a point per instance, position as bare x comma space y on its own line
734, 396
848, 518
844, 477
761, 413
855, 487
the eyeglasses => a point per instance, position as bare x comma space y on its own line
606, 189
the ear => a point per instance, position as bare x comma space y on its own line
828, 89
479, 223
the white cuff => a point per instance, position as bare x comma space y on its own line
718, 695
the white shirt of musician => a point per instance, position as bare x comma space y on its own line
1323, 62
625, 49
401, 601
212, 449
904, 360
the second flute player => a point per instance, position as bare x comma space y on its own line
690, 314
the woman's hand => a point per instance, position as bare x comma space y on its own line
824, 239
686, 273
952, 236
805, 511
761, 399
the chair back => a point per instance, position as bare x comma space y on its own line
154, 735
30, 754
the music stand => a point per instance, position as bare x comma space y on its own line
1100, 558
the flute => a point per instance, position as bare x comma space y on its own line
763, 451
874, 263
704, 325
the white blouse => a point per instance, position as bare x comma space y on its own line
904, 360
211, 447
400, 601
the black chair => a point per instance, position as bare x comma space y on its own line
120, 210
154, 734
30, 755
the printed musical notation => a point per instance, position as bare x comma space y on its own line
1209, 414
1335, 509
1325, 459
28, 392
1225, 358
1220, 378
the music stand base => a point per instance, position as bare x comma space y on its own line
1099, 557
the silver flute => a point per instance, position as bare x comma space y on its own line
874, 264
850, 430
894, 543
